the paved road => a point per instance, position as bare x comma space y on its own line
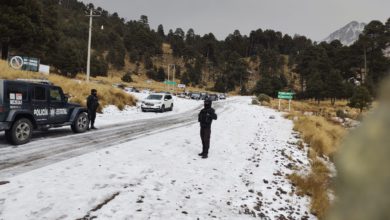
60, 144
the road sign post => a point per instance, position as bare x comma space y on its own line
287, 96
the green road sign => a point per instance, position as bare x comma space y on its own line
285, 95
170, 82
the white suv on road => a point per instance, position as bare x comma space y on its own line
157, 102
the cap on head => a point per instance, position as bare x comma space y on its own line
207, 103
93, 91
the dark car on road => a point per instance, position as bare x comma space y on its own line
195, 96
26, 106
213, 97
203, 95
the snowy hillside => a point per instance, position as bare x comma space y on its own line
348, 34
160, 175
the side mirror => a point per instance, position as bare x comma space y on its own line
66, 98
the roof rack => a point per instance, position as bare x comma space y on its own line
41, 81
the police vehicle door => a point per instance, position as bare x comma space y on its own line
58, 110
40, 104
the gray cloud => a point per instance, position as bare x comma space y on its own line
313, 18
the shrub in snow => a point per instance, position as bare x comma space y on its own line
264, 98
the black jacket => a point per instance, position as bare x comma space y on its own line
206, 117
92, 103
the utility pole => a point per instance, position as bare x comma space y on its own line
168, 77
91, 15
174, 72
173, 77
365, 65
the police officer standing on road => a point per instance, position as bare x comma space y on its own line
92, 105
205, 118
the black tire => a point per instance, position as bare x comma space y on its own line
162, 108
81, 123
21, 132
171, 108
143, 110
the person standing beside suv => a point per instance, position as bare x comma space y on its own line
205, 118
92, 105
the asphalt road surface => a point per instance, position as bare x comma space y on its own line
57, 145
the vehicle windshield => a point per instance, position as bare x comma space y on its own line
154, 97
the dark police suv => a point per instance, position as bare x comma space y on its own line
36, 105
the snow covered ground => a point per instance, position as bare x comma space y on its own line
162, 177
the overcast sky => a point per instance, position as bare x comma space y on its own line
315, 19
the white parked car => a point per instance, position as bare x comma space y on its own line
157, 102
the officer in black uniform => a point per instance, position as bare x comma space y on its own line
92, 105
205, 118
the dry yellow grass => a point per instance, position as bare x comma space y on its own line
323, 138
324, 109
76, 88
322, 135
316, 185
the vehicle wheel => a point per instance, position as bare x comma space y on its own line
21, 131
162, 108
81, 123
143, 110
171, 108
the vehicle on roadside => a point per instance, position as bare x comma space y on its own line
195, 96
36, 105
203, 95
222, 96
119, 85
146, 91
157, 102
181, 95
213, 97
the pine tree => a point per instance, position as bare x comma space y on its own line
160, 75
334, 86
360, 99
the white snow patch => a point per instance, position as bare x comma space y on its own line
162, 177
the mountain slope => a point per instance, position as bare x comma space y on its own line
348, 34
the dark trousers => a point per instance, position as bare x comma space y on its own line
92, 117
205, 136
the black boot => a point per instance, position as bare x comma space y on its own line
204, 156
201, 154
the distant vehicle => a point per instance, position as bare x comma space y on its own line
222, 96
213, 97
195, 96
131, 89
128, 89
203, 95
119, 85
157, 102
181, 95
146, 91
26, 106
